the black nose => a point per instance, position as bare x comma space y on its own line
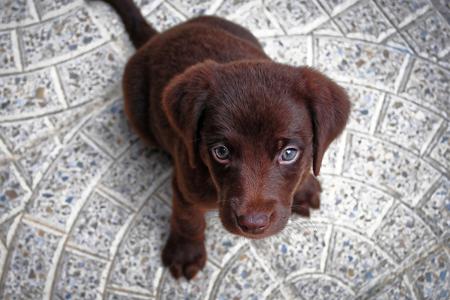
254, 222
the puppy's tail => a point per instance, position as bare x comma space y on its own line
135, 24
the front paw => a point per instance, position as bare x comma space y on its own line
184, 257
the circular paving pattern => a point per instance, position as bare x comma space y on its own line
84, 205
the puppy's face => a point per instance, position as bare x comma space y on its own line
257, 130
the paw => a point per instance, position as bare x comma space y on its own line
307, 197
184, 257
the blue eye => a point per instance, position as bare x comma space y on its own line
221, 153
288, 155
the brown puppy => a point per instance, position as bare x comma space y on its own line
242, 130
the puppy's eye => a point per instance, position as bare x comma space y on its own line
221, 153
288, 155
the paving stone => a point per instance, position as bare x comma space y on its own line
9, 61
79, 277
441, 149
398, 42
436, 209
402, 233
121, 296
196, 288
31, 259
28, 94
219, 242
429, 35
327, 28
430, 276
110, 128
299, 247
251, 15
244, 279
17, 12
355, 261
427, 85
396, 290
84, 78
98, 224
351, 204
353, 61
407, 124
388, 167
331, 157
192, 8
59, 38
402, 12
287, 49
75, 172
276, 295
320, 287
139, 256
297, 16
51, 8
364, 21
364, 104
163, 17
13, 193
334, 6
136, 174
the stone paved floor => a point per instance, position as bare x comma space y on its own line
84, 205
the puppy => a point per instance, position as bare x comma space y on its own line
243, 131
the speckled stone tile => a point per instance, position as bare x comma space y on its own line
243, 279
407, 124
430, 276
402, 12
164, 17
319, 287
79, 277
136, 174
192, 8
219, 242
276, 294
297, 16
51, 8
364, 104
364, 21
327, 28
122, 296
287, 49
388, 167
13, 193
428, 85
334, 6
74, 173
359, 62
28, 94
17, 12
402, 233
138, 259
59, 38
298, 248
110, 128
440, 151
356, 261
253, 16
398, 42
31, 260
429, 35
331, 157
196, 288
351, 204
436, 209
84, 78
398, 290
98, 224
9, 61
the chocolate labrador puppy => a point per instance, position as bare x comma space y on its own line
243, 131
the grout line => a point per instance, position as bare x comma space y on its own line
404, 74
327, 249
380, 112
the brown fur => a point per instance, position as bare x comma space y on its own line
207, 82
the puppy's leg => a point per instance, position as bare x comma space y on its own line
184, 253
307, 196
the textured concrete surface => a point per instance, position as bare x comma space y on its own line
84, 206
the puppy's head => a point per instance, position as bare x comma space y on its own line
258, 127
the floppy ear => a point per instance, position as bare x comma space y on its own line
329, 107
184, 102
